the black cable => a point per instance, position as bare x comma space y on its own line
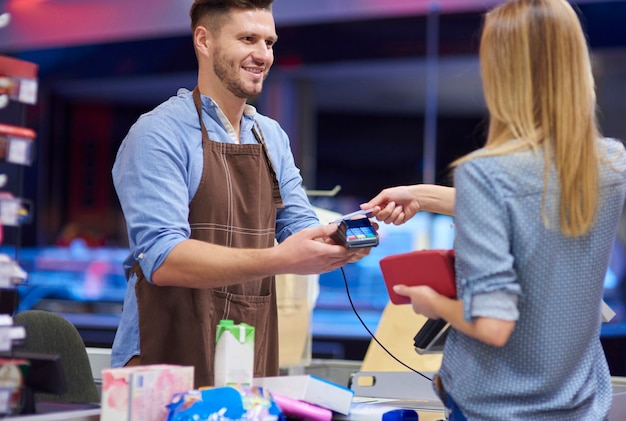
345, 280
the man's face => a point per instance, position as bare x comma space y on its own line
243, 51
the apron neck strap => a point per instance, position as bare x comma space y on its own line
258, 135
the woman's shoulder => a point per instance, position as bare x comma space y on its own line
612, 154
490, 159
611, 145
514, 173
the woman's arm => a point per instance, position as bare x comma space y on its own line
433, 305
396, 205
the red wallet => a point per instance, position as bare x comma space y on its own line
434, 268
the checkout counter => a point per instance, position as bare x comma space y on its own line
364, 408
377, 381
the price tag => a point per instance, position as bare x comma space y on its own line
5, 338
28, 91
9, 211
19, 151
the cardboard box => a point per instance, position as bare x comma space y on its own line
310, 389
141, 393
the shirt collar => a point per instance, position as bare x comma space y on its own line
249, 112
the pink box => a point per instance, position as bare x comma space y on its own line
301, 409
141, 393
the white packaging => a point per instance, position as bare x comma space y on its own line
310, 389
234, 354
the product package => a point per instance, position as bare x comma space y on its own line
310, 389
228, 403
12, 374
300, 410
142, 393
234, 354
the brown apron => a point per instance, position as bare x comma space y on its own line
235, 206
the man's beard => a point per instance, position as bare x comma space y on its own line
229, 75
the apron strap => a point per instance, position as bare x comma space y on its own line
278, 200
198, 103
258, 135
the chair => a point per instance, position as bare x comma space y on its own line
50, 333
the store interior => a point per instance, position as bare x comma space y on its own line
372, 94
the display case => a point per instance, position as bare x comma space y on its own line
18, 89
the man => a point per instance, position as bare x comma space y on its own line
206, 185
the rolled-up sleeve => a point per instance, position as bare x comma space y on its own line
156, 178
486, 278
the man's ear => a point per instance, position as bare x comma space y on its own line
202, 40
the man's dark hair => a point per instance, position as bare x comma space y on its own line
218, 10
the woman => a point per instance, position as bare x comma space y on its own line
537, 210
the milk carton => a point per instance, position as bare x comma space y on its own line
234, 354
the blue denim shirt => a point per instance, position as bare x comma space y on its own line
156, 174
511, 267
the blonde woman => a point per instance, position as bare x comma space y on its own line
537, 210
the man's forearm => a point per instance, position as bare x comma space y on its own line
197, 264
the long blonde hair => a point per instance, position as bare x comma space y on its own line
539, 89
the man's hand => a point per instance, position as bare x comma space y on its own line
312, 251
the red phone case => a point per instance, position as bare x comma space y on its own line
434, 268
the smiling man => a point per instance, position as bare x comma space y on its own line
206, 185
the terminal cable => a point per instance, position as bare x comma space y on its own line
345, 280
